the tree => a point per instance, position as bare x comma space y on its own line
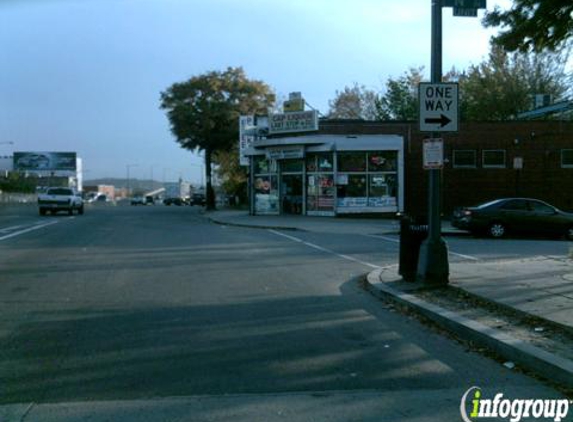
354, 102
233, 175
533, 24
203, 112
400, 101
504, 85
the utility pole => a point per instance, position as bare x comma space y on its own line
433, 265
128, 166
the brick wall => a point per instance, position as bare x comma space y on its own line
538, 143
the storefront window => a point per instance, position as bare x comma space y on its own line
367, 181
352, 162
266, 186
320, 193
266, 195
325, 162
261, 165
292, 166
320, 183
382, 161
321, 162
351, 190
382, 190
311, 166
378, 185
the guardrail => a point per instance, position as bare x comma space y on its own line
18, 198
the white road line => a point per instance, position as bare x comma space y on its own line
29, 229
11, 228
389, 239
295, 239
320, 248
468, 257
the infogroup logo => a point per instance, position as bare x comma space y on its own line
515, 410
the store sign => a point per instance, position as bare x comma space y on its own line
246, 139
433, 153
300, 121
285, 153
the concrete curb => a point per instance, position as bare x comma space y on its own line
252, 226
534, 359
224, 222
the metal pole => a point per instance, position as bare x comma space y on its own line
433, 266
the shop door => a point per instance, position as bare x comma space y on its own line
291, 194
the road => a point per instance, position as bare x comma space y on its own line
143, 304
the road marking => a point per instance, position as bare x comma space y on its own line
320, 248
11, 228
468, 257
29, 229
389, 239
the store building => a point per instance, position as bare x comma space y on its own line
346, 167
327, 175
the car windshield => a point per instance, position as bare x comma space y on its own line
60, 191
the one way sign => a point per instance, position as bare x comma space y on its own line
438, 107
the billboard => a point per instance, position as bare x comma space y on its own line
50, 161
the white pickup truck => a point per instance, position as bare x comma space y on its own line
60, 199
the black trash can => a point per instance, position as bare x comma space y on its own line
413, 231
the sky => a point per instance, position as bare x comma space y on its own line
86, 75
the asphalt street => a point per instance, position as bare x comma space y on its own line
140, 304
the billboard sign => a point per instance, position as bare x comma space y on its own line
45, 161
246, 139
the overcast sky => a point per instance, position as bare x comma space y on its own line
86, 75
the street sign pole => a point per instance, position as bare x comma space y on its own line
433, 266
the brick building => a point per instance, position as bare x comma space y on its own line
483, 161
377, 167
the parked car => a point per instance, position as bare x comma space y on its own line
173, 201
60, 199
137, 200
198, 199
514, 215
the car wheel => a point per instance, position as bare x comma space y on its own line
496, 230
42, 211
81, 210
569, 233
71, 211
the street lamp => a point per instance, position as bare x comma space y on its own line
128, 166
202, 167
